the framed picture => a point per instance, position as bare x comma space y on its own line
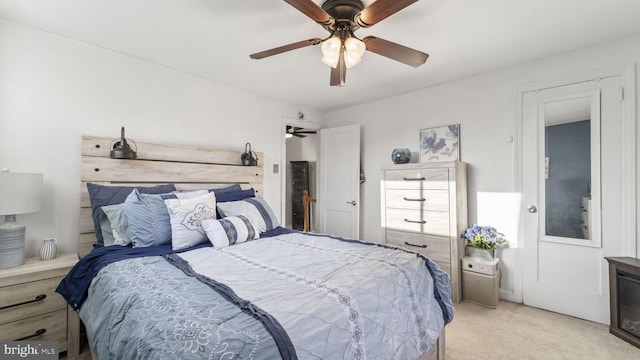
440, 144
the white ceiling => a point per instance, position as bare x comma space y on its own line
212, 39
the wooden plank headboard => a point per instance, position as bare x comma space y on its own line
187, 166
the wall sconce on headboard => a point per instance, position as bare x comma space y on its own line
249, 158
121, 149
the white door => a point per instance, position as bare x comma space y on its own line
572, 196
339, 181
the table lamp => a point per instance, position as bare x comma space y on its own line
20, 193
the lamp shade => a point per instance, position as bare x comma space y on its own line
20, 193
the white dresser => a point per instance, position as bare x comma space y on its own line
424, 209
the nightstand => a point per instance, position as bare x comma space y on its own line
31, 310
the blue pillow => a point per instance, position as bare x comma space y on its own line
101, 195
114, 225
148, 216
234, 187
235, 195
229, 196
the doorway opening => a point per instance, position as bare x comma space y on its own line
299, 171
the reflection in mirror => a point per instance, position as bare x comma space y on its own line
568, 168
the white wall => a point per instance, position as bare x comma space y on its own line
485, 106
53, 90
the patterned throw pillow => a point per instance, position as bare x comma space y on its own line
229, 231
186, 219
255, 209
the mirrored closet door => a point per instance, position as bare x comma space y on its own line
571, 195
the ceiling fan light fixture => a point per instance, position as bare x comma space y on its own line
331, 61
331, 47
342, 49
331, 51
350, 61
354, 47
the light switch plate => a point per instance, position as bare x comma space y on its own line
275, 168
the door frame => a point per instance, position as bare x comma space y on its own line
307, 124
628, 144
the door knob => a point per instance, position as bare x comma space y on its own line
532, 209
352, 202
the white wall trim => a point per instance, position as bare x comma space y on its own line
630, 161
508, 295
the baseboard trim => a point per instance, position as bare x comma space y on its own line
507, 295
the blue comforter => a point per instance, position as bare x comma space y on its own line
288, 295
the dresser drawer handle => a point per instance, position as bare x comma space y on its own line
37, 333
38, 298
414, 179
415, 245
415, 221
410, 199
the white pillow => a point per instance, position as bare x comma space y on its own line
229, 231
186, 216
255, 209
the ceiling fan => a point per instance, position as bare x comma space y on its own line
342, 49
297, 131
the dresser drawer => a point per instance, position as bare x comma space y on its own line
417, 179
54, 325
424, 222
437, 200
444, 266
27, 294
435, 254
435, 248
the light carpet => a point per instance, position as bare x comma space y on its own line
516, 331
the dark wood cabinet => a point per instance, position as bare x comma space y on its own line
299, 183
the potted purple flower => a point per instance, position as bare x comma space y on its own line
483, 240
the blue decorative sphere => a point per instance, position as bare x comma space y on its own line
401, 156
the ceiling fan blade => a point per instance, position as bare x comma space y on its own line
380, 10
298, 131
395, 51
285, 48
339, 73
312, 10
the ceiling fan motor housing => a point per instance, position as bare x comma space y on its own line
343, 11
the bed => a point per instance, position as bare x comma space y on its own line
248, 289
